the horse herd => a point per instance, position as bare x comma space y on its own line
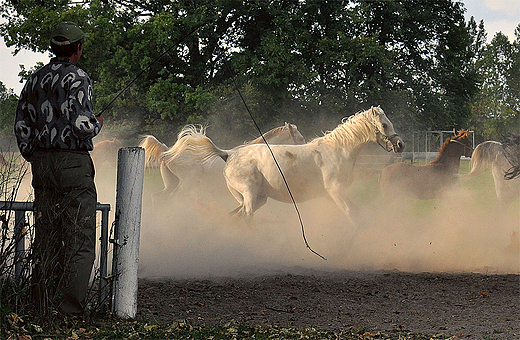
282, 166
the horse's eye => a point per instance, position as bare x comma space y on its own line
385, 126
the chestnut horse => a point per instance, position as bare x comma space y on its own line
427, 181
106, 151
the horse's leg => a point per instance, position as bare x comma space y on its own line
337, 193
249, 206
240, 199
240, 210
236, 210
248, 199
252, 203
171, 183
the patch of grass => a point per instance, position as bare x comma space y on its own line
113, 328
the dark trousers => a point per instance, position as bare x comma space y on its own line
65, 228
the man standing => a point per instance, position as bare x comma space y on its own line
54, 127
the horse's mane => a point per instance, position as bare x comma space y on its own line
268, 134
462, 133
512, 153
357, 126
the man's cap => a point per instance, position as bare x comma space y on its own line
69, 33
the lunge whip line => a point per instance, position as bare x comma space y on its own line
177, 42
276, 162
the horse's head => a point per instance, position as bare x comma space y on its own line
385, 133
295, 134
462, 139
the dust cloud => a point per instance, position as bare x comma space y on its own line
191, 235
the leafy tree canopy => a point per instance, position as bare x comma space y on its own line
308, 62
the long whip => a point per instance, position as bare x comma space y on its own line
177, 42
275, 161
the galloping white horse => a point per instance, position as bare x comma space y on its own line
322, 167
187, 159
492, 153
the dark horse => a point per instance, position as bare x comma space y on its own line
428, 181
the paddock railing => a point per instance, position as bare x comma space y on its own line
20, 211
426, 144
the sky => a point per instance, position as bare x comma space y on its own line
498, 15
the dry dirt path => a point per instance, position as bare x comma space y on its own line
465, 305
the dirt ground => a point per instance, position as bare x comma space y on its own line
468, 306
421, 267
443, 267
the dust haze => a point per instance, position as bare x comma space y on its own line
192, 235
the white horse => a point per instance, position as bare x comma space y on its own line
492, 153
188, 160
322, 167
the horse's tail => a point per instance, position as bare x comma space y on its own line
193, 145
483, 156
153, 149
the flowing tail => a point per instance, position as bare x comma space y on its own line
483, 156
153, 150
193, 146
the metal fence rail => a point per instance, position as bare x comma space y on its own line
20, 209
425, 144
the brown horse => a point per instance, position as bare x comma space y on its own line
428, 181
106, 150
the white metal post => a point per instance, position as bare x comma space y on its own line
130, 177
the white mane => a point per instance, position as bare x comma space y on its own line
358, 127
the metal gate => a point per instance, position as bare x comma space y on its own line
20, 210
425, 144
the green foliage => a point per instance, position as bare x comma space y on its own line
8, 102
296, 61
496, 108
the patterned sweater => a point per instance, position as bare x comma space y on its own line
55, 110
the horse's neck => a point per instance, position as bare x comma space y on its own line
258, 140
450, 159
351, 136
355, 153
274, 140
275, 136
